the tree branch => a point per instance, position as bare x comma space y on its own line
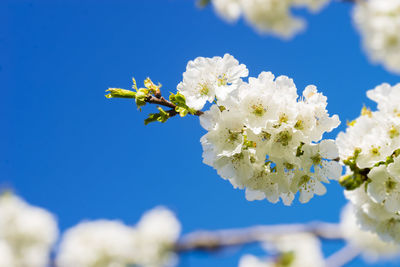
216, 240
164, 102
343, 256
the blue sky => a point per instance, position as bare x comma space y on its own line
67, 148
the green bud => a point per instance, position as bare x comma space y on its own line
154, 89
134, 85
286, 259
182, 111
141, 96
120, 93
203, 3
352, 181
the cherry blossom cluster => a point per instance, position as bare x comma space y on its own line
28, 234
261, 135
112, 243
370, 148
268, 16
291, 250
371, 246
379, 24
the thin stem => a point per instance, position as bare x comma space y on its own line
217, 240
342, 257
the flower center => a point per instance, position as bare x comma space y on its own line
222, 80
204, 89
258, 110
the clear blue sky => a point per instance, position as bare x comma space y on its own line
67, 148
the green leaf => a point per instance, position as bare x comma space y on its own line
164, 116
152, 118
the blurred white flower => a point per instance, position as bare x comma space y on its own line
27, 233
113, 244
253, 261
370, 244
6, 255
98, 243
156, 233
379, 24
228, 9
268, 16
292, 250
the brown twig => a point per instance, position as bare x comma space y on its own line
343, 256
216, 240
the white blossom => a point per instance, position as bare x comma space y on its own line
97, 243
156, 234
253, 261
263, 138
6, 255
228, 9
268, 16
27, 233
379, 24
113, 244
369, 243
207, 78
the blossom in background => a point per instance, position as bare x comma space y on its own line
370, 148
379, 24
27, 233
6, 255
156, 234
371, 246
97, 243
268, 16
264, 138
113, 244
292, 250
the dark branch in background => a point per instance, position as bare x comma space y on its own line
212, 241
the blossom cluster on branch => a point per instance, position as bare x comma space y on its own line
370, 148
261, 135
264, 138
